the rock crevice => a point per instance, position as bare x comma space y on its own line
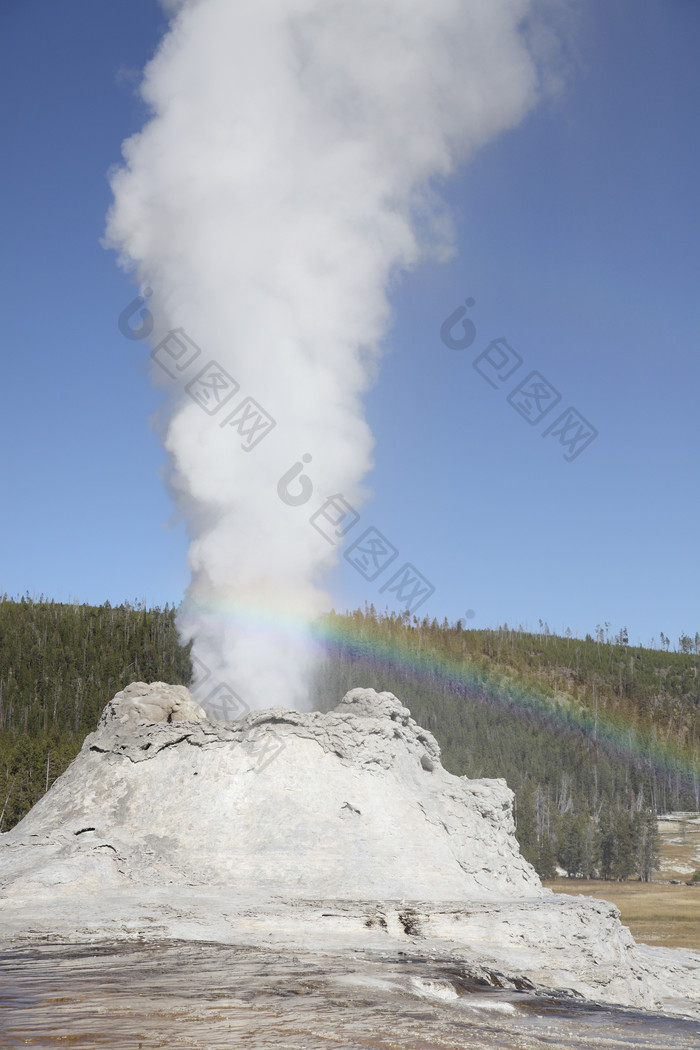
290, 813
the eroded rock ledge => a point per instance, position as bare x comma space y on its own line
366, 727
338, 831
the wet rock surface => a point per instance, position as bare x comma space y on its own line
195, 996
333, 835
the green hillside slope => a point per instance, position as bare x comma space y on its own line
593, 735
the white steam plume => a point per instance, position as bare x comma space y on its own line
283, 179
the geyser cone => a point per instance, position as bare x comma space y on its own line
325, 832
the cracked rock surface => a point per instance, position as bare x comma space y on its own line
339, 831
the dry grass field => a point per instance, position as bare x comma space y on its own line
658, 912
680, 845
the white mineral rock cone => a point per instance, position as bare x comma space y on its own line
338, 830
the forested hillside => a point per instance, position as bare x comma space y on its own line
593, 735
59, 664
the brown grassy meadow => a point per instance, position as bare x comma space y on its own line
658, 912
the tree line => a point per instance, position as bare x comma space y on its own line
59, 664
534, 708
594, 736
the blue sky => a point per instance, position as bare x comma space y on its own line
578, 237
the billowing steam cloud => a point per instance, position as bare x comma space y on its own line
284, 178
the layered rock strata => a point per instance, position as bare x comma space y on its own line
330, 832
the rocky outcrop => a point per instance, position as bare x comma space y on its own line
352, 804
340, 831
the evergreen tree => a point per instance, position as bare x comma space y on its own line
571, 844
625, 858
647, 842
525, 826
588, 859
59, 664
546, 866
606, 847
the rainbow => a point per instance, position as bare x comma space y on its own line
559, 711
356, 636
